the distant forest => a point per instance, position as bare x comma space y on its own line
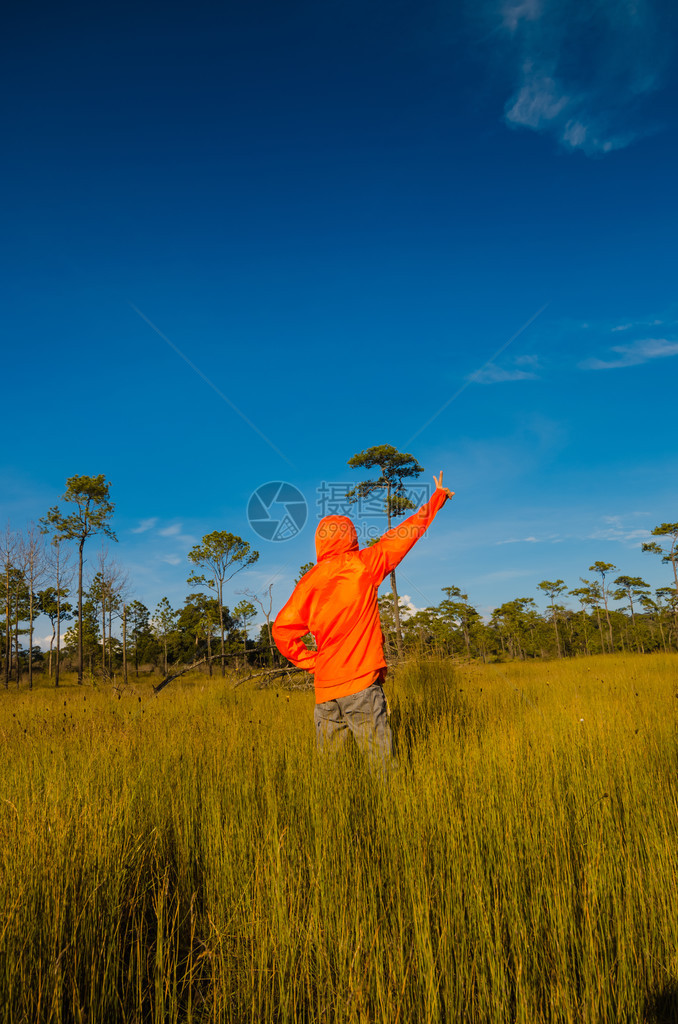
99, 629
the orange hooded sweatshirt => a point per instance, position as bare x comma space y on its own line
337, 602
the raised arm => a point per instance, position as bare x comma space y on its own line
390, 550
438, 481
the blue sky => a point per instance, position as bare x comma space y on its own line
242, 242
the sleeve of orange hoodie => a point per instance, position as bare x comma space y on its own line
390, 550
289, 627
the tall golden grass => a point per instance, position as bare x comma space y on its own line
189, 858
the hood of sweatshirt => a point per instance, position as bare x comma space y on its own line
335, 535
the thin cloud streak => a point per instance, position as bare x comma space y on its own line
623, 529
498, 375
170, 531
474, 376
517, 540
144, 525
634, 355
207, 381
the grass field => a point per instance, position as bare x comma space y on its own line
188, 857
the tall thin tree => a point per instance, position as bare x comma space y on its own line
8, 550
603, 568
243, 613
93, 509
554, 589
36, 569
630, 587
395, 467
52, 604
164, 623
62, 574
222, 555
267, 610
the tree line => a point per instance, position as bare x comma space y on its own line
646, 622
99, 628
110, 632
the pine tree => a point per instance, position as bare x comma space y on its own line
395, 467
93, 509
222, 555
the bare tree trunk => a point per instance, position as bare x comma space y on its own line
35, 569
110, 636
600, 630
103, 632
270, 637
51, 650
80, 662
16, 636
394, 588
639, 643
8, 547
267, 615
221, 628
8, 627
555, 626
124, 643
586, 632
58, 619
30, 638
396, 616
609, 624
57, 659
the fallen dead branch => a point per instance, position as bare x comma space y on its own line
271, 673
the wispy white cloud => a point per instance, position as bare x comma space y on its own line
170, 531
582, 70
493, 374
144, 525
170, 559
517, 540
524, 10
642, 324
634, 354
186, 538
622, 529
538, 101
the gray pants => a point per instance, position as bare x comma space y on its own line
365, 714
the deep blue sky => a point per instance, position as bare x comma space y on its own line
338, 213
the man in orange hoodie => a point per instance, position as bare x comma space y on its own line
336, 601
